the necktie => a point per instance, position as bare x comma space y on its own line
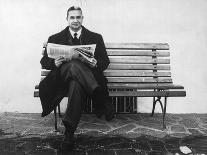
76, 40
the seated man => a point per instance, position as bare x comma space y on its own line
75, 77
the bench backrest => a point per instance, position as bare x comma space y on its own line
136, 65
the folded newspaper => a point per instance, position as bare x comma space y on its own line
56, 50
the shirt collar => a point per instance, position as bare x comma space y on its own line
78, 32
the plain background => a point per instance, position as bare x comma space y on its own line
26, 24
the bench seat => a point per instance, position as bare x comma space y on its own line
138, 70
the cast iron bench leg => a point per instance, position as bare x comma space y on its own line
163, 108
164, 112
154, 103
59, 110
55, 113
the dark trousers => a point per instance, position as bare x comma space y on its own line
79, 83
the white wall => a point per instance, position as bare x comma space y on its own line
26, 24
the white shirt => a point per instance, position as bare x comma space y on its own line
78, 33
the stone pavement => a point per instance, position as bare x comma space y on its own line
126, 134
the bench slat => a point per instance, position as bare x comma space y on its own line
144, 86
136, 73
141, 93
137, 60
116, 66
36, 93
148, 93
134, 80
135, 49
138, 66
140, 86
140, 46
137, 53
140, 73
138, 80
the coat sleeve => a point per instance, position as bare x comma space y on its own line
101, 55
46, 62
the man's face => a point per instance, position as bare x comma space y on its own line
75, 19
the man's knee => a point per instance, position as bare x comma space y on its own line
75, 85
71, 68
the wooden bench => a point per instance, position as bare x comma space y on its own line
138, 70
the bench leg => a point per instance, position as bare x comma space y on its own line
154, 104
164, 112
55, 114
163, 108
160, 103
59, 110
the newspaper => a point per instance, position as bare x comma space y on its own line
56, 50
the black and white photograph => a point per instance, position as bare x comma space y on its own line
94, 77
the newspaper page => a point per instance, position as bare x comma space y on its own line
86, 51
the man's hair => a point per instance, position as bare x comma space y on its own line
73, 8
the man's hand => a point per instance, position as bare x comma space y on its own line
59, 60
75, 55
91, 64
94, 63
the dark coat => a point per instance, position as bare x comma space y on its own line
49, 87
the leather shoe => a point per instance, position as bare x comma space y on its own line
109, 116
99, 113
67, 145
68, 141
109, 110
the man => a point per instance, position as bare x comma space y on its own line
75, 77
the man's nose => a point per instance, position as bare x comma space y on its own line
75, 19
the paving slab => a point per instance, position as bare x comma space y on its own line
23, 133
189, 122
195, 132
178, 128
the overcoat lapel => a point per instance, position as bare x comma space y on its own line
84, 36
69, 38
65, 37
